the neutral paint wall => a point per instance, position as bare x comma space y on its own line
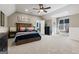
6, 21
54, 26
49, 22
14, 18
74, 20
74, 27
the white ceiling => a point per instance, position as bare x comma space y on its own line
57, 10
7, 9
65, 11
22, 7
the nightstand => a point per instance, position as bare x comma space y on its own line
12, 34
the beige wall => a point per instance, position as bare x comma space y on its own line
15, 18
6, 21
74, 27
74, 20
48, 22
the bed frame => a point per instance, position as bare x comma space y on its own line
27, 41
18, 25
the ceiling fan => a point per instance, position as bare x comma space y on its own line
41, 8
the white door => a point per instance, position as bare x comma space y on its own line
42, 26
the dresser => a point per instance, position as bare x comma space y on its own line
47, 30
3, 41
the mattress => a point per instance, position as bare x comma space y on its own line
20, 36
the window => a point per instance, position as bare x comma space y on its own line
66, 20
63, 24
61, 21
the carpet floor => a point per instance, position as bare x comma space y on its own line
57, 44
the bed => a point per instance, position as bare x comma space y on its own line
25, 36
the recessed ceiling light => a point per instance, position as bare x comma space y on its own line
26, 9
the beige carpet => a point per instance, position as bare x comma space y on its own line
47, 45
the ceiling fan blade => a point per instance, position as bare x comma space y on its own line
45, 11
35, 9
41, 8
38, 11
47, 8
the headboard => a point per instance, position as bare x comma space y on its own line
19, 25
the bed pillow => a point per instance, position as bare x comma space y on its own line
22, 29
30, 28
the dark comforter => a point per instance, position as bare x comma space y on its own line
26, 35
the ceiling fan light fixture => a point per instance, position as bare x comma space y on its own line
41, 10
